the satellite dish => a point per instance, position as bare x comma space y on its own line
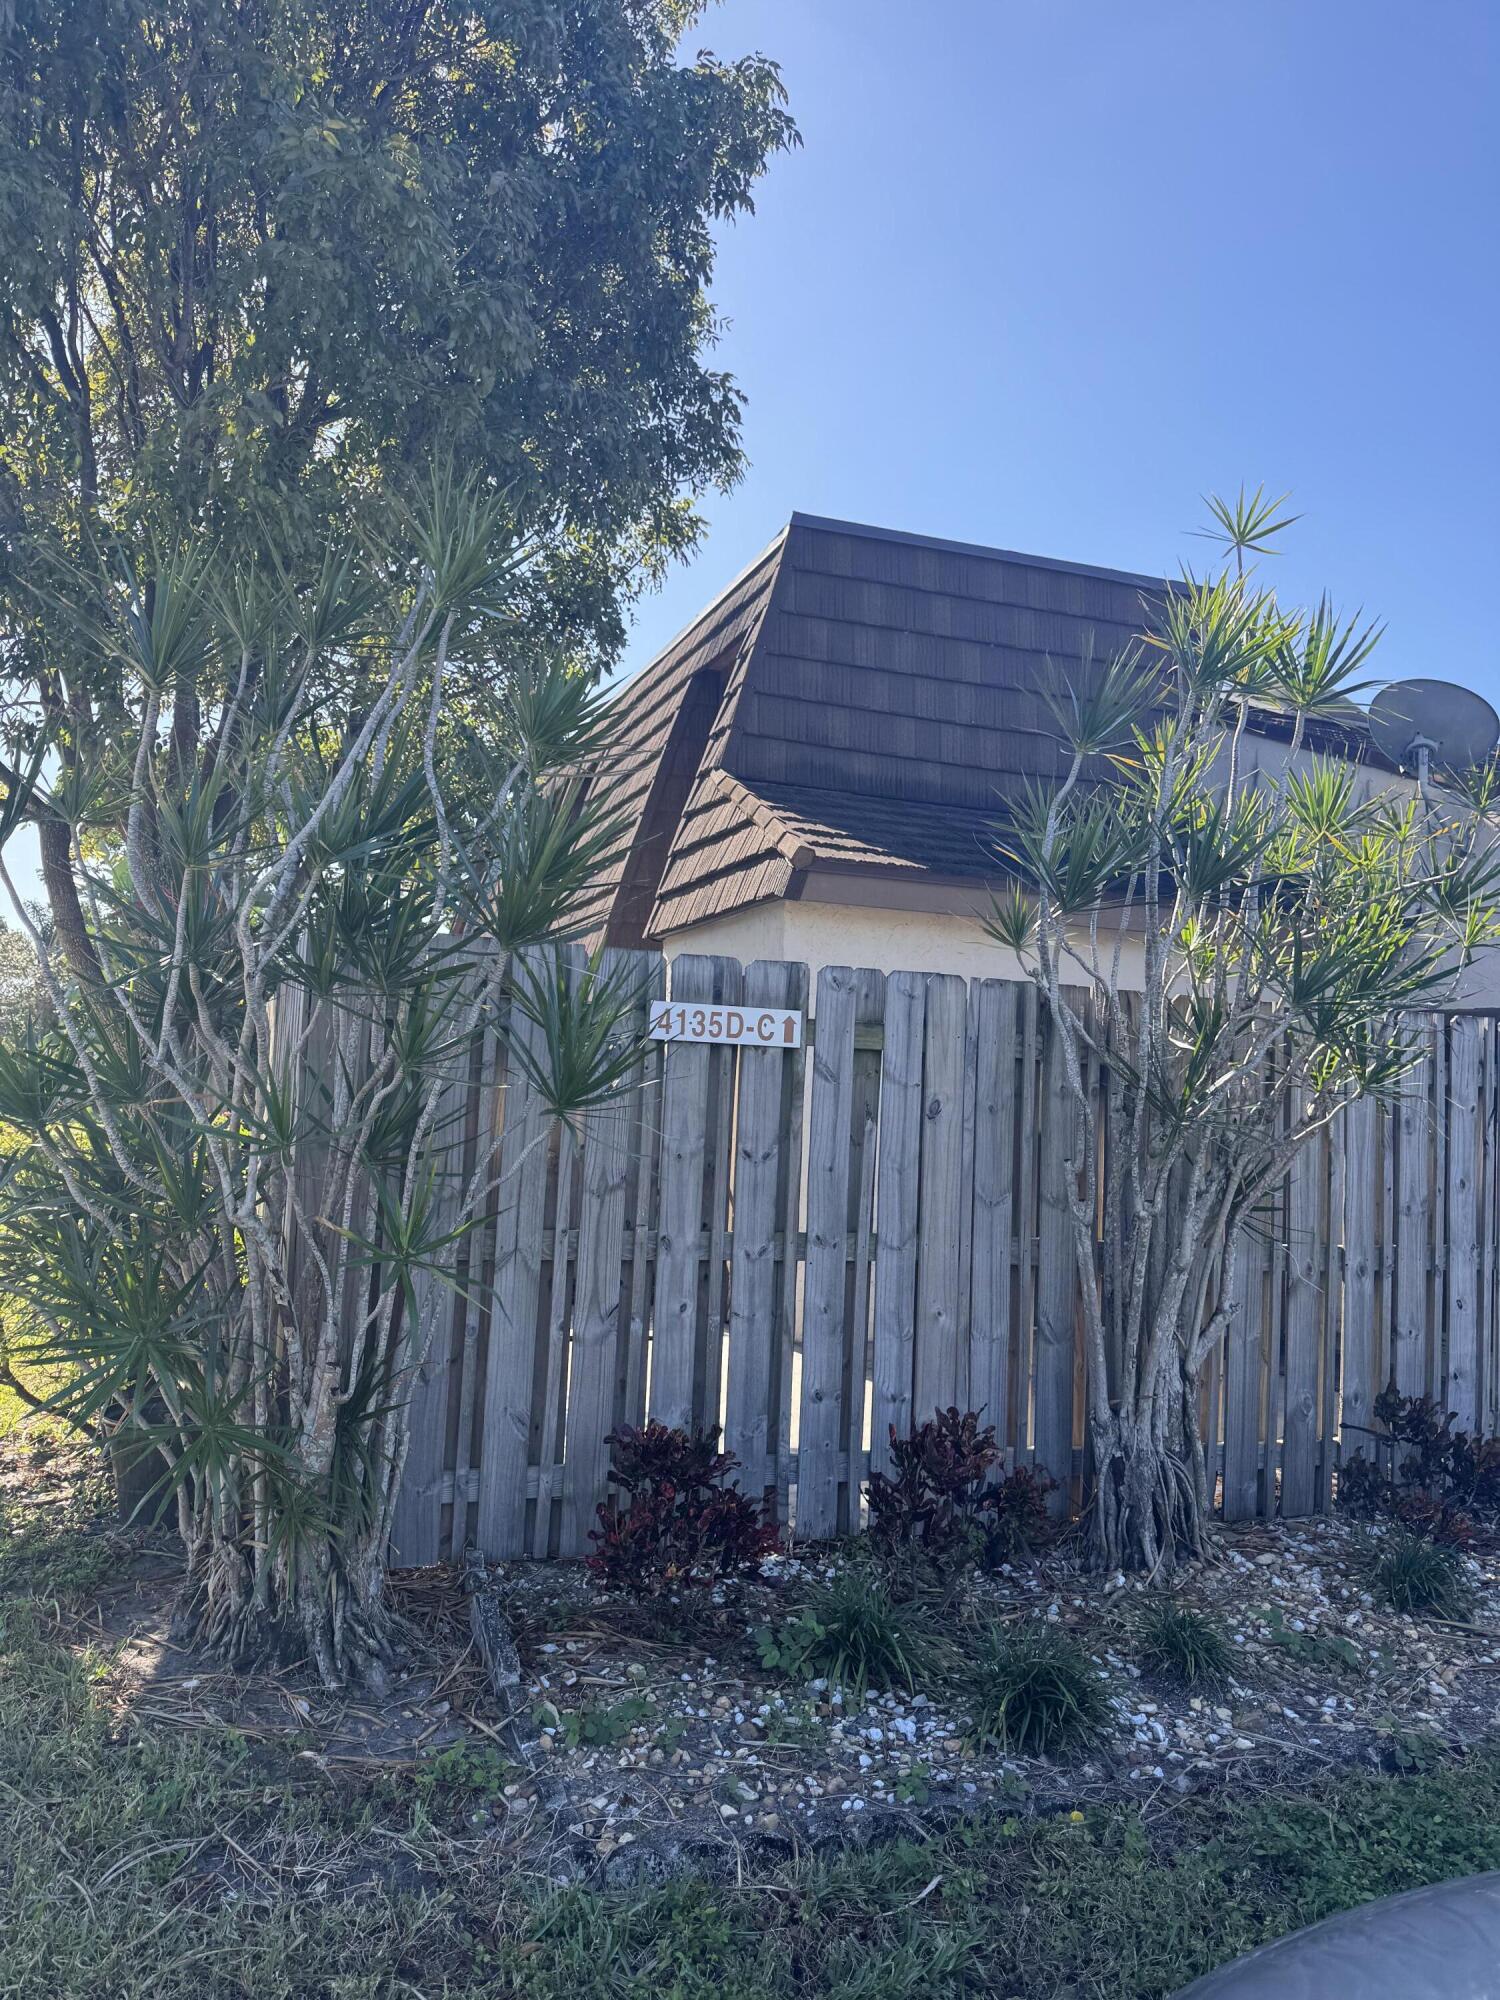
1418, 724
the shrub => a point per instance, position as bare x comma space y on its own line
1420, 1576
1014, 1517
1033, 1690
1423, 1470
682, 1528
1183, 1643
938, 1497
852, 1632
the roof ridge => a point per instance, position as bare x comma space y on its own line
829, 525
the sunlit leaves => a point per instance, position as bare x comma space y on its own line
582, 1052
1249, 524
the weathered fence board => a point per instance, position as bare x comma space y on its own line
828, 1243
811, 1245
896, 1211
760, 1327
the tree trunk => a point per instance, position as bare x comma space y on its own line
323, 1607
1151, 1501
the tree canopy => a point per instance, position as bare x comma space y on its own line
255, 253
261, 261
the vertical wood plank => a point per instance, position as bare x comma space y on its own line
896, 1213
1030, 1114
1461, 1393
1332, 1282
935, 1363
1489, 1230
599, 1293
864, 1114
993, 1202
792, 1268
552, 1367
525, 1146
828, 1242
679, 1236
1242, 1384
1304, 1320
1057, 1276
1359, 1380
759, 1341
1413, 1196
723, 1072
639, 1283
434, 1344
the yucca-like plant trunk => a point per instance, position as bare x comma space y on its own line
1223, 957
243, 1182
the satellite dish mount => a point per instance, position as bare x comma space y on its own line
1419, 724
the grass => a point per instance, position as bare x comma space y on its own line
1424, 1578
1183, 1644
146, 1863
1033, 1690
851, 1632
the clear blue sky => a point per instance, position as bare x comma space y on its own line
1044, 271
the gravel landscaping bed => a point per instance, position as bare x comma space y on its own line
676, 1747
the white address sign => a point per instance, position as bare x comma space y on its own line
744, 1027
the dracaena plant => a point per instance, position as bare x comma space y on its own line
232, 1151
1233, 946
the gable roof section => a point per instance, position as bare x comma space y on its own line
887, 699
645, 712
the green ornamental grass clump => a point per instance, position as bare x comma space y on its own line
1182, 1643
1034, 1690
851, 1632
1418, 1576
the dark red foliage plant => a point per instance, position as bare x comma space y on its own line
675, 1524
939, 1496
1423, 1471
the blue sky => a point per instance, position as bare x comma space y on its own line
1045, 271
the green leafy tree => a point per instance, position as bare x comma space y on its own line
1233, 950
237, 1161
258, 261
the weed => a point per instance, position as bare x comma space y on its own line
1424, 1577
1182, 1643
1033, 1690
1314, 1649
852, 1632
465, 1767
602, 1725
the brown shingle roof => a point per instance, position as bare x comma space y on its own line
883, 697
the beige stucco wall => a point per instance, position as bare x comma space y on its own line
817, 934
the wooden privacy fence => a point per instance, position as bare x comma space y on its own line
811, 1245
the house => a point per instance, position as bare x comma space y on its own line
814, 770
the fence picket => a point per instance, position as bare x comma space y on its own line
759, 1344
939, 1237
510, 1365
819, 1473
1242, 1384
1057, 1279
675, 1344
1303, 1324
993, 1206
1413, 1195
594, 1361
1462, 1220
896, 1212
1359, 1379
